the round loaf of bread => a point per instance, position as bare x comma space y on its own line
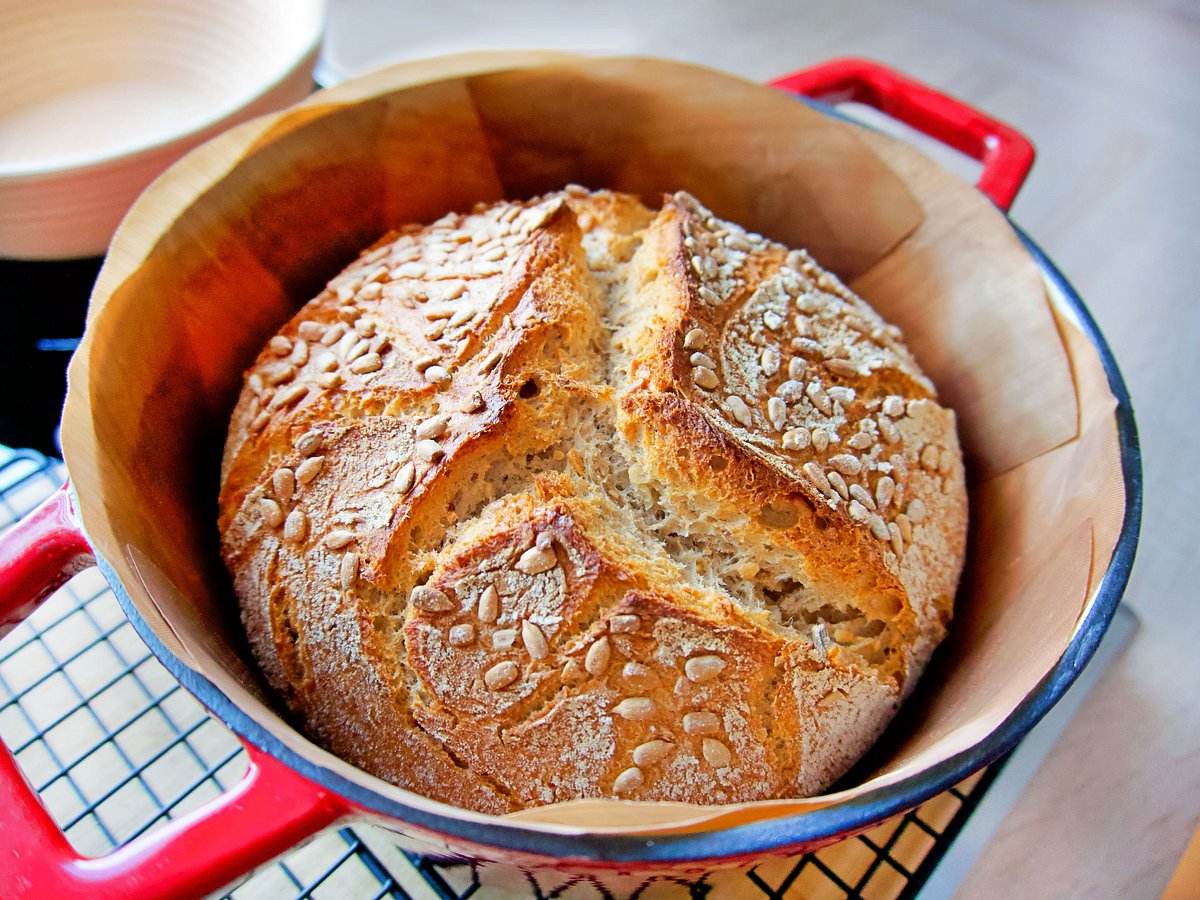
573, 498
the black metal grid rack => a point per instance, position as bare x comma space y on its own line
115, 746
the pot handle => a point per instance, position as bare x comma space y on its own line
270, 810
1006, 154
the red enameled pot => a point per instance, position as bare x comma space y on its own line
284, 799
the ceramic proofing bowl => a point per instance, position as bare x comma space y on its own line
98, 98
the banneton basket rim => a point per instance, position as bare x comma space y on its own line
773, 835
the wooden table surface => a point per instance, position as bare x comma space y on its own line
1110, 94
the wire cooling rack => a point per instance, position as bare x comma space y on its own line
115, 747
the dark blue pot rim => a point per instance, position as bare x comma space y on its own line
776, 834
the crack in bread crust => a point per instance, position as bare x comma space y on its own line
573, 473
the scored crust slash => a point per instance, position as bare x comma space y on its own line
574, 498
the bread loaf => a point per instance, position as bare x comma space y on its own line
572, 498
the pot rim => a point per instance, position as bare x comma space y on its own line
773, 835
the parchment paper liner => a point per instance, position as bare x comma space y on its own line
231, 240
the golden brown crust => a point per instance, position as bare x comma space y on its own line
480, 504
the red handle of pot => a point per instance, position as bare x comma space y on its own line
1006, 154
270, 810
38, 555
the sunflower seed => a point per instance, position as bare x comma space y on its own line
295, 526
777, 413
839, 484
357, 351
462, 635
796, 439
329, 380
501, 675
715, 753
888, 429
628, 781
290, 395
703, 668
430, 599
536, 560
820, 439
896, 537
284, 482
807, 347
311, 331
701, 723
573, 674
695, 339
489, 604
916, 511
421, 363
878, 527
433, 427
817, 477
333, 334
279, 345
278, 373
348, 572
259, 422
904, 523
861, 441
820, 638
534, 640
405, 477
709, 296
842, 367
372, 362
796, 368
475, 404
504, 639
308, 443
635, 708
702, 360
309, 469
770, 361
299, 354
429, 451
862, 495
437, 375
651, 752
705, 378
271, 512
884, 491
819, 398
338, 538
598, 655
625, 624
738, 408
846, 463
858, 512
840, 394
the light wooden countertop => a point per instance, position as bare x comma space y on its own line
1110, 94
